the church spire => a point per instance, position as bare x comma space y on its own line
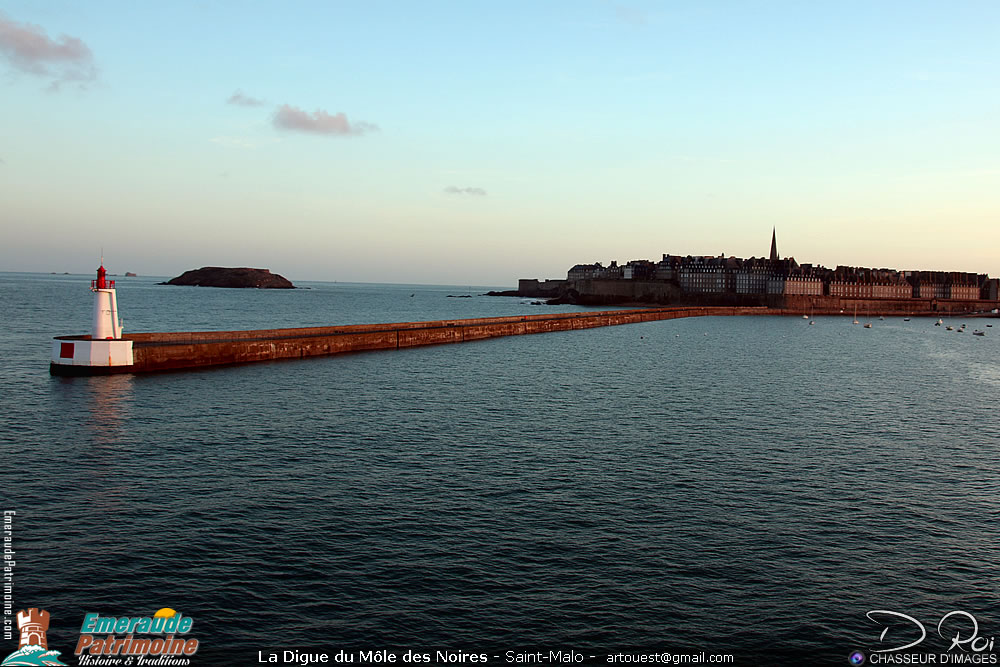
774, 246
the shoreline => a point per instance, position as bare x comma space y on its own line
790, 304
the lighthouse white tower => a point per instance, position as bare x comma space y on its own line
104, 350
107, 326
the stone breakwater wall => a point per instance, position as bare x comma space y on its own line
170, 351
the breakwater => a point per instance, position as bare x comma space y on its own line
170, 351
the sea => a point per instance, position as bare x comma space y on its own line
761, 488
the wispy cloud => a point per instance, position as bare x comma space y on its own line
648, 77
27, 48
319, 122
702, 159
241, 142
925, 75
631, 15
240, 99
475, 192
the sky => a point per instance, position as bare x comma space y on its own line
481, 142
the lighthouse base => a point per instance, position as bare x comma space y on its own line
79, 355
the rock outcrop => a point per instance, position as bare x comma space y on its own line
220, 276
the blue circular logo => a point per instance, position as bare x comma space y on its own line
856, 658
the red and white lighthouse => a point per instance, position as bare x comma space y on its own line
104, 350
107, 326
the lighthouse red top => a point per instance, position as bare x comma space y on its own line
102, 282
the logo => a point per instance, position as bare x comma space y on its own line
856, 658
904, 639
33, 649
159, 639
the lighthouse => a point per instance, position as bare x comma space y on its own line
107, 326
104, 350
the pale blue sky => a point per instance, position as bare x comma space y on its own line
483, 142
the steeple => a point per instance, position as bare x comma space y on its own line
774, 246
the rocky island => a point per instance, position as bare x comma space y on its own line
220, 276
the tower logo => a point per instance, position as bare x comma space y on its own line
33, 649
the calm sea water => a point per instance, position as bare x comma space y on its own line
751, 486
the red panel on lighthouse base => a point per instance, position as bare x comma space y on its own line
66, 350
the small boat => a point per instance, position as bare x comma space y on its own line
855, 314
867, 325
977, 332
939, 323
906, 319
882, 318
805, 317
989, 325
949, 328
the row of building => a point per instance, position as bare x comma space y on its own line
773, 276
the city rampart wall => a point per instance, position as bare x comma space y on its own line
598, 292
611, 292
829, 305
